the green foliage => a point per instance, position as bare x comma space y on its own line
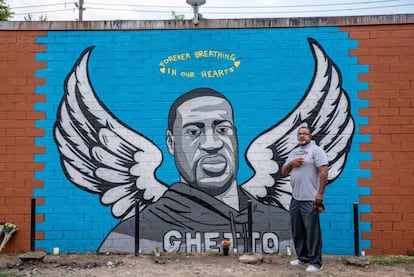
5, 12
43, 18
29, 17
7, 274
391, 260
176, 16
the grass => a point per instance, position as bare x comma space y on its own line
383, 260
391, 260
6, 274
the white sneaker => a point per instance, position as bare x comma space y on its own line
296, 262
312, 268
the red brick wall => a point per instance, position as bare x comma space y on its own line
388, 50
17, 131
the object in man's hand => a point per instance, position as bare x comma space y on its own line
318, 206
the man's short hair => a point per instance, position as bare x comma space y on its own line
198, 92
305, 127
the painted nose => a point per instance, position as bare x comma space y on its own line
211, 141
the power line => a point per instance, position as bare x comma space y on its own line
129, 10
311, 5
256, 12
251, 7
44, 11
213, 10
37, 6
313, 11
224, 7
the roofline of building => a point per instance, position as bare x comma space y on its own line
209, 23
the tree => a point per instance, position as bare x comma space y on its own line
5, 12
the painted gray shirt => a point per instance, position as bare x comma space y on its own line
186, 219
305, 179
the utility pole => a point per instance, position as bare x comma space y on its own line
81, 9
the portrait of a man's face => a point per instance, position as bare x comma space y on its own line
203, 141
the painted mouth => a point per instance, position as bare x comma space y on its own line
213, 165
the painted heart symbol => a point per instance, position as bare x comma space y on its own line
236, 63
162, 69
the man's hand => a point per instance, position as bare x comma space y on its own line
319, 197
297, 162
287, 168
318, 205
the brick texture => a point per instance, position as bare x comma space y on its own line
17, 131
386, 49
389, 52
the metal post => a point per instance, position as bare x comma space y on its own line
249, 227
33, 225
356, 229
137, 228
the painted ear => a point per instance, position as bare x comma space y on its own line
170, 142
325, 109
99, 153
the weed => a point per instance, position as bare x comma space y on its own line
391, 260
6, 274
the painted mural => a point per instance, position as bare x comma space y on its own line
104, 156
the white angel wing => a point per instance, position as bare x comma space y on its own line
99, 153
325, 109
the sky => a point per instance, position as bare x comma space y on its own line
212, 9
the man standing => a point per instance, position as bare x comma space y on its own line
308, 168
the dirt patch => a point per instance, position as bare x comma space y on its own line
194, 265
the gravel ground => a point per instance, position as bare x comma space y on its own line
196, 265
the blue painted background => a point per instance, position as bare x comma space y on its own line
276, 68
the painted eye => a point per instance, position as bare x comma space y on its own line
225, 130
192, 131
